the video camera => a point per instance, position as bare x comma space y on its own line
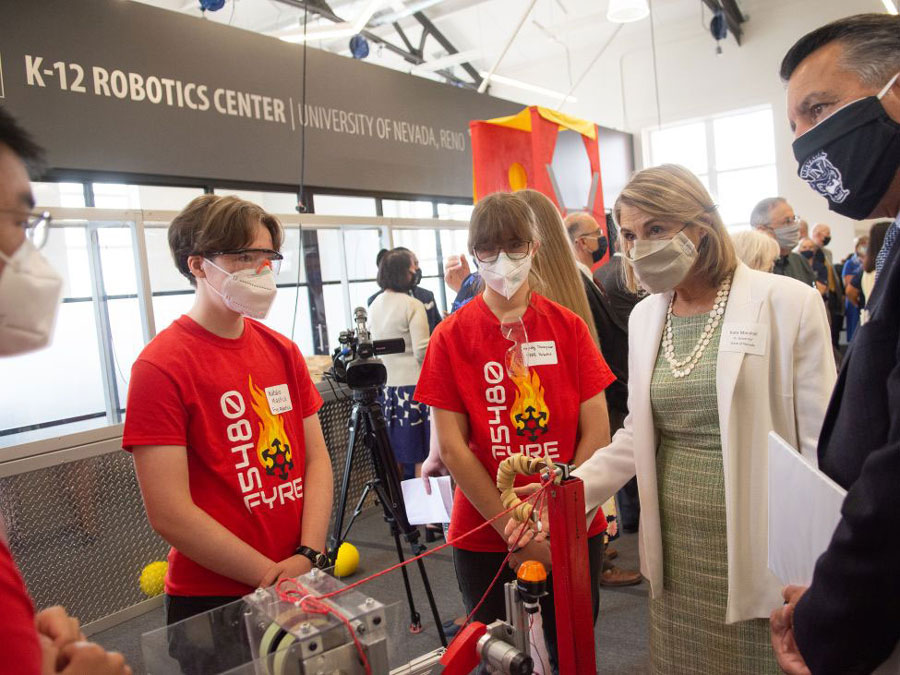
355, 361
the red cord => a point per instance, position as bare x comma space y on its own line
314, 605
541, 497
436, 548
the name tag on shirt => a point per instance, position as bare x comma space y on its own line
540, 353
279, 399
748, 338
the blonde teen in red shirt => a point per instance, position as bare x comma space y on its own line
222, 420
490, 399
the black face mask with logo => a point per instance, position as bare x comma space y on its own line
851, 157
417, 278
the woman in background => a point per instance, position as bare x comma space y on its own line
756, 249
397, 314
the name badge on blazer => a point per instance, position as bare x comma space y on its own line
746, 338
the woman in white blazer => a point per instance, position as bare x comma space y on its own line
719, 356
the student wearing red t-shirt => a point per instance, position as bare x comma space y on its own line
49, 641
510, 372
222, 423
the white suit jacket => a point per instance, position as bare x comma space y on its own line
784, 387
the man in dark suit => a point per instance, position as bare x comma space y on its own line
589, 244
844, 109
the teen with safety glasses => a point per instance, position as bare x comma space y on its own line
222, 421
510, 372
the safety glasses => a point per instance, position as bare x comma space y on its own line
37, 225
249, 258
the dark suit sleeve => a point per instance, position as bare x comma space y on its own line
849, 619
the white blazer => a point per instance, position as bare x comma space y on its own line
785, 388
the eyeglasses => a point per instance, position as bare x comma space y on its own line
596, 235
516, 250
250, 258
795, 220
37, 225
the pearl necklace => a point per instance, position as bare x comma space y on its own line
684, 367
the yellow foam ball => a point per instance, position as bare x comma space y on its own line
153, 578
347, 560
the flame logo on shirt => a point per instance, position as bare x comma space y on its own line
529, 414
272, 447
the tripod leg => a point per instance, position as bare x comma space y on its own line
415, 620
356, 511
432, 603
337, 536
390, 517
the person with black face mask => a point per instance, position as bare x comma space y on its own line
423, 295
821, 236
396, 313
844, 108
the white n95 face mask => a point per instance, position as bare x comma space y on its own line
248, 292
30, 290
505, 275
661, 264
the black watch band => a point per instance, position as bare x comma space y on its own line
319, 560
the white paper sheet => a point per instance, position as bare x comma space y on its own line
804, 509
422, 508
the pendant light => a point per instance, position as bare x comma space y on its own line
626, 11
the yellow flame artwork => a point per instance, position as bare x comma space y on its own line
529, 413
272, 448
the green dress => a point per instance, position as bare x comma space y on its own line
688, 633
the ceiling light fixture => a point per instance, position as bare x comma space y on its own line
501, 79
890, 6
626, 11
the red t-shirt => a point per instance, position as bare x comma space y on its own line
21, 649
465, 372
238, 407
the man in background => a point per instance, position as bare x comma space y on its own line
589, 245
852, 267
775, 216
834, 300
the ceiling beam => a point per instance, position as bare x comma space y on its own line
321, 8
432, 30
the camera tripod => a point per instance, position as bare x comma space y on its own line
367, 418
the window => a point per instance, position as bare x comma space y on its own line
733, 155
339, 205
329, 269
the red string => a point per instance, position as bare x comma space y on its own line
451, 542
314, 605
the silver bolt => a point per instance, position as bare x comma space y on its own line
370, 602
305, 627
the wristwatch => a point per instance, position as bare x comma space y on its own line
318, 559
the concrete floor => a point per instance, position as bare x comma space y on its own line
620, 634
